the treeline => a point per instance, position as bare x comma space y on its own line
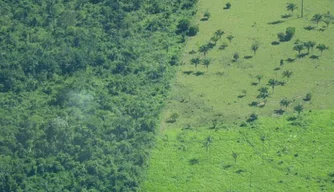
82, 83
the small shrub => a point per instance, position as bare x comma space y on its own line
172, 118
253, 117
227, 6
193, 30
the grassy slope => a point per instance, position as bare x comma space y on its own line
199, 99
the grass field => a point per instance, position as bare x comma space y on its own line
222, 93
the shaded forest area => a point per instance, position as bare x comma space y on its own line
82, 83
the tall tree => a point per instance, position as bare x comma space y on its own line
195, 61
285, 103
204, 49
299, 48
322, 47
273, 83
298, 108
206, 62
287, 74
255, 47
291, 7
316, 18
309, 45
219, 33
263, 92
230, 38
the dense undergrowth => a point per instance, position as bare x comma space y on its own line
81, 86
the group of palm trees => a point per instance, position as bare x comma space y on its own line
309, 45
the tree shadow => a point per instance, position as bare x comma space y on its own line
187, 72
275, 43
277, 68
254, 83
248, 57
322, 29
302, 55
241, 96
199, 73
290, 60
220, 73
279, 111
192, 52
286, 16
193, 161
309, 28
314, 57
253, 104
293, 118
275, 22
204, 19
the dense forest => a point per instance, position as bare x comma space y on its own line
82, 83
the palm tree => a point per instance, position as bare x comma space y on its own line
299, 108
206, 62
235, 156
316, 18
272, 83
285, 103
259, 77
214, 39
230, 38
298, 47
287, 74
195, 61
309, 45
204, 49
328, 18
263, 92
322, 47
255, 47
291, 7
219, 33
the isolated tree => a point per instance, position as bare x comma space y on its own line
230, 38
273, 83
235, 56
219, 33
195, 61
206, 15
204, 49
255, 47
214, 39
259, 77
287, 74
316, 18
285, 103
299, 48
309, 45
263, 92
291, 7
298, 108
322, 47
206, 62
193, 30
328, 18
235, 156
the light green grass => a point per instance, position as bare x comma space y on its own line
290, 158
200, 99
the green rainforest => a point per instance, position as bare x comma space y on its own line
82, 83
166, 95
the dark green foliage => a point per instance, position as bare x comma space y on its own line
82, 84
291, 7
227, 6
193, 30
289, 33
